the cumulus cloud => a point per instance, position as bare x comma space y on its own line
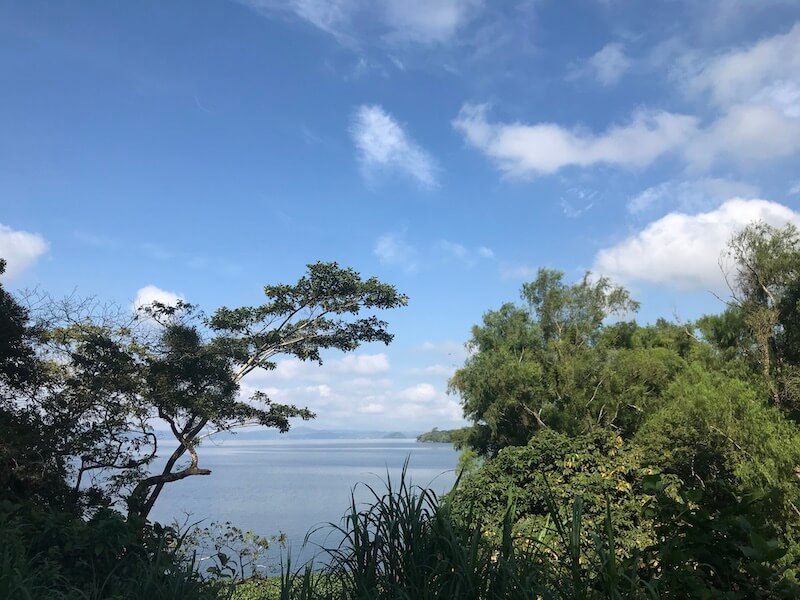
544, 148
289, 369
392, 249
382, 145
365, 401
150, 293
422, 392
20, 249
607, 66
682, 250
746, 134
753, 102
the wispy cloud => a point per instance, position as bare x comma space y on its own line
393, 249
607, 66
526, 272
690, 195
393, 22
20, 249
382, 145
458, 252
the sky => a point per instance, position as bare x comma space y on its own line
200, 149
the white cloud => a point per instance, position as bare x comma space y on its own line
607, 66
746, 134
427, 21
355, 22
753, 95
372, 408
757, 93
544, 148
392, 249
691, 195
576, 201
323, 390
20, 249
436, 370
795, 189
360, 402
150, 293
518, 272
422, 392
682, 250
769, 69
459, 252
383, 145
289, 369
362, 364
454, 250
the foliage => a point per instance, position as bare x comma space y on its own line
107, 377
405, 544
707, 551
439, 436
51, 554
599, 467
766, 289
553, 363
224, 551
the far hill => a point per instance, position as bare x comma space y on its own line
440, 436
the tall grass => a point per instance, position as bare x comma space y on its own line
404, 544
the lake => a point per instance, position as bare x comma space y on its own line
291, 486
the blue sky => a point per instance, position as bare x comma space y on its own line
201, 149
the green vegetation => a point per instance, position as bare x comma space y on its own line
80, 389
605, 458
441, 436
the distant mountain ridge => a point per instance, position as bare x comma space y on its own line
309, 433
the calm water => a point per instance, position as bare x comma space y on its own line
290, 486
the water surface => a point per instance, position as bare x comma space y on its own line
291, 486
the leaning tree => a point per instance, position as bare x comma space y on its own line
111, 380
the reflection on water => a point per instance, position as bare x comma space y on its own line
292, 486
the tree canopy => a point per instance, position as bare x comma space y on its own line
107, 378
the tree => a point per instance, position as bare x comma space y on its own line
539, 365
30, 467
193, 375
109, 378
766, 290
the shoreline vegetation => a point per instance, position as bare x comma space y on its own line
442, 436
605, 458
